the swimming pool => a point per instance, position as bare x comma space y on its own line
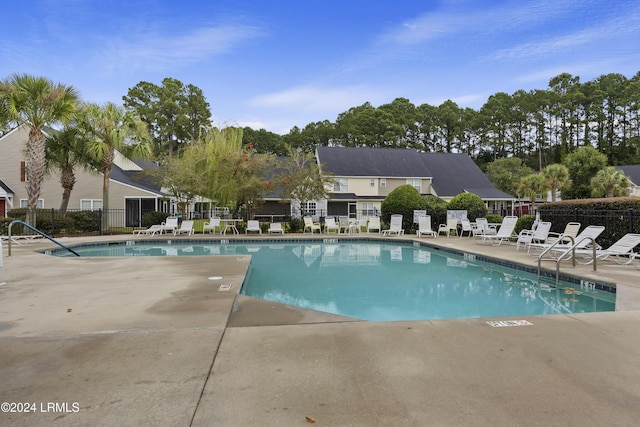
380, 281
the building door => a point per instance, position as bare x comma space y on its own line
353, 210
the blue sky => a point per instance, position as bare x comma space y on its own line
278, 64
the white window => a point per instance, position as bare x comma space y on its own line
416, 183
24, 203
383, 182
372, 183
310, 208
368, 209
340, 185
90, 204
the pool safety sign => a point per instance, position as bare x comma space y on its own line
505, 323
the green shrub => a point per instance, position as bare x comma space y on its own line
493, 218
470, 202
154, 217
403, 200
437, 208
85, 220
525, 222
295, 225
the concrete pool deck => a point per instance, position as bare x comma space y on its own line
152, 341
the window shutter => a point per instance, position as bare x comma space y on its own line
23, 170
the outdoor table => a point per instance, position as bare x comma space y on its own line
230, 224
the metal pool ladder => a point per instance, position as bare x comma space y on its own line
570, 251
37, 231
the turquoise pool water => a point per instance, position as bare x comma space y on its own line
382, 281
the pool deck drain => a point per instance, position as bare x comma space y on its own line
151, 342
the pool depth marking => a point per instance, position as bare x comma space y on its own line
507, 323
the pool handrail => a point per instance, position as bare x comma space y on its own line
572, 251
17, 221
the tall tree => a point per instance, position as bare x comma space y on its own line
583, 164
36, 102
532, 185
175, 114
505, 173
557, 176
109, 128
67, 150
610, 182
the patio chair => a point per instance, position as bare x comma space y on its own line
621, 252
311, 226
344, 224
424, 227
275, 227
151, 231
504, 233
373, 224
449, 227
484, 228
253, 225
212, 225
395, 227
330, 225
539, 235
185, 227
466, 227
557, 250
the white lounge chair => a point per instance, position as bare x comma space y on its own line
311, 226
557, 250
621, 252
330, 225
424, 227
504, 233
373, 224
185, 228
212, 225
570, 230
275, 227
449, 227
151, 231
395, 227
253, 225
169, 224
539, 235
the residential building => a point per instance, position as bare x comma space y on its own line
130, 191
365, 176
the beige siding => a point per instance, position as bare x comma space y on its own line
88, 185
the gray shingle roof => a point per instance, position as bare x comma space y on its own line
451, 173
372, 162
632, 171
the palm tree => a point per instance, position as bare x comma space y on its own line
610, 182
36, 102
109, 128
532, 185
557, 176
66, 150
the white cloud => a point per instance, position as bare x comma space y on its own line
317, 99
159, 52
